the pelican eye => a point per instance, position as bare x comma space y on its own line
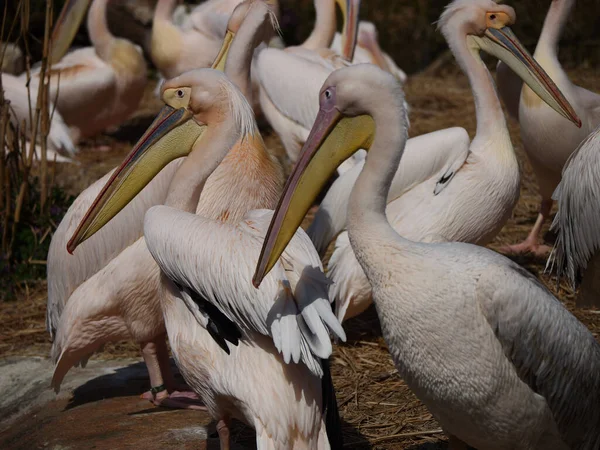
497, 20
180, 93
327, 94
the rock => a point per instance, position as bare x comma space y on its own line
98, 407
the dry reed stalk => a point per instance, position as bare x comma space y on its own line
4, 178
20, 180
43, 107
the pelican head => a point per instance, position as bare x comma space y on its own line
233, 26
255, 12
367, 38
194, 102
341, 128
485, 25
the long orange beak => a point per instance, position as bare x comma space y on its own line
504, 45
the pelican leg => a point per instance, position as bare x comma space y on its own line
223, 430
153, 352
532, 243
176, 390
165, 366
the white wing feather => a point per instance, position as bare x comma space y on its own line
15, 90
67, 272
80, 74
279, 70
551, 350
590, 102
576, 222
217, 261
434, 155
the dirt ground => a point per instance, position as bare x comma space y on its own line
378, 409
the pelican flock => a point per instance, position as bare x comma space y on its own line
95, 87
129, 302
547, 138
447, 187
193, 246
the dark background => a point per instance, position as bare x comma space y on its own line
407, 28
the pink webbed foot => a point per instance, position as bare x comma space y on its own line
175, 400
181, 389
527, 248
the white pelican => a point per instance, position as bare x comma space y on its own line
98, 87
447, 187
368, 50
548, 138
59, 137
232, 342
576, 249
289, 79
195, 44
123, 294
499, 362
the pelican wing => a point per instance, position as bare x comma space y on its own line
216, 261
509, 87
292, 81
15, 90
80, 74
590, 102
434, 155
551, 350
210, 18
578, 216
67, 272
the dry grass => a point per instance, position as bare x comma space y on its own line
378, 409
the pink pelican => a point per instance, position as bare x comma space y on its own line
216, 321
60, 143
289, 79
548, 138
193, 45
99, 285
499, 362
447, 188
98, 87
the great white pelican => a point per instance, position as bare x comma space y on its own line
447, 187
498, 361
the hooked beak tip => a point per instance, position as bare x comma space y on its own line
70, 248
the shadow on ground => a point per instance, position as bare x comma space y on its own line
100, 407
